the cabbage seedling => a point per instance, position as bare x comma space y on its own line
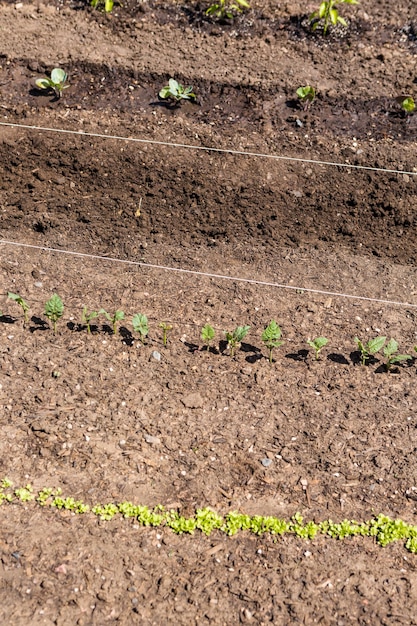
328, 15
118, 316
166, 328
54, 309
140, 325
22, 303
56, 82
307, 95
207, 335
317, 344
227, 9
390, 353
271, 336
369, 349
235, 338
87, 317
176, 92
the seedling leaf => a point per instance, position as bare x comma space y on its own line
54, 309
22, 303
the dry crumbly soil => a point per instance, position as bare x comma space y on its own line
100, 417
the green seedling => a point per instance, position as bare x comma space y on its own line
390, 353
140, 325
22, 303
118, 316
106, 5
56, 82
370, 348
307, 95
271, 336
227, 9
87, 317
235, 338
176, 92
328, 15
207, 335
317, 344
407, 103
166, 328
54, 309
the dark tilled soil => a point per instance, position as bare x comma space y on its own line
78, 409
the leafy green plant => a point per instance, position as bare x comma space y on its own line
306, 95
117, 316
54, 309
56, 82
327, 14
140, 325
166, 328
390, 353
176, 92
317, 344
22, 303
106, 5
382, 528
235, 338
87, 317
370, 348
407, 103
227, 9
207, 335
271, 336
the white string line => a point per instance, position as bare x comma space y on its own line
166, 268
81, 133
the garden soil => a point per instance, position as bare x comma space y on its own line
108, 419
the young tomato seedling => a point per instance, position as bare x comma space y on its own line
87, 317
22, 303
166, 328
140, 325
54, 309
118, 316
175, 92
317, 344
271, 336
235, 338
390, 353
370, 348
207, 335
328, 15
307, 95
227, 9
56, 82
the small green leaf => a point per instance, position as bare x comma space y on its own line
408, 105
54, 309
390, 348
140, 325
374, 345
164, 93
271, 333
43, 83
58, 76
207, 333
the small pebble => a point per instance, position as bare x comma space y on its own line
151, 439
156, 355
266, 462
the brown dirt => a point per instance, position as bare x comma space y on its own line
349, 431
